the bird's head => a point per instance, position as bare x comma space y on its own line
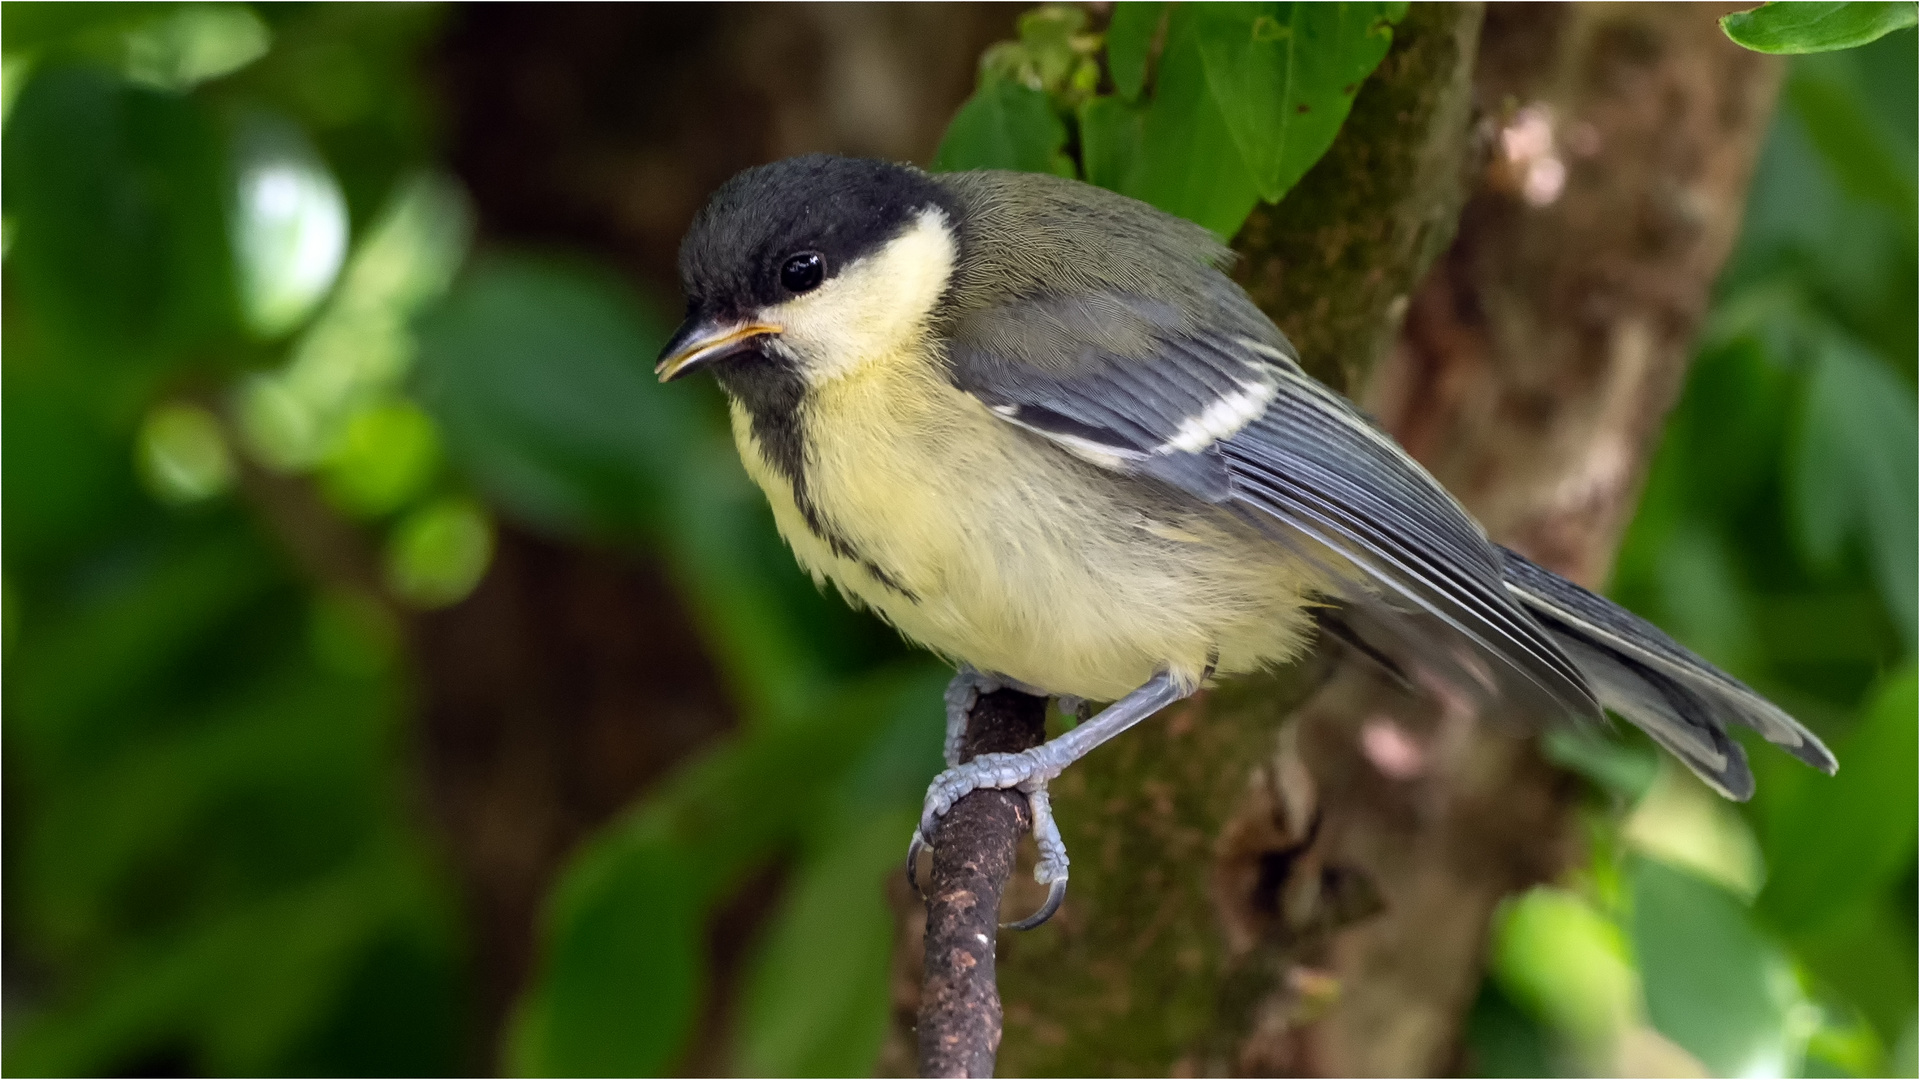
813, 266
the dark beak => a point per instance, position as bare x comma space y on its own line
702, 340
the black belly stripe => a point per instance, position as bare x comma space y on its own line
774, 396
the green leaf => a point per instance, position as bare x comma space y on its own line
1188, 163
616, 990
80, 675
1713, 983
294, 743
816, 998
439, 552
1839, 120
1005, 126
114, 195
360, 347
1129, 40
626, 969
1501, 1040
1806, 27
1111, 131
1285, 75
32, 27
1053, 54
387, 455
1853, 472
538, 374
288, 223
1247, 98
1838, 842
1626, 770
220, 860
816, 1001
1867, 956
183, 454
241, 989
194, 43
1706, 603
1564, 963
1687, 826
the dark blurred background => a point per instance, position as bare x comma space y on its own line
369, 614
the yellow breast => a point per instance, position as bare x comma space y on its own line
1000, 549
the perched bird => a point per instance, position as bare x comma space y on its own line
1033, 425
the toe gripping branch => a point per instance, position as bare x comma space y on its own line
994, 736
1051, 870
991, 723
1028, 770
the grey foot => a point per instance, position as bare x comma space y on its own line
1051, 870
965, 689
962, 694
1029, 770
1002, 771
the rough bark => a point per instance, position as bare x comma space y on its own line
1336, 262
973, 855
1306, 890
1195, 940
1541, 357
1538, 362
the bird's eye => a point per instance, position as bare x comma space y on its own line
802, 272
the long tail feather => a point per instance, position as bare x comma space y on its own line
1684, 703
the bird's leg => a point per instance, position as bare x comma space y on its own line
965, 689
963, 693
1029, 770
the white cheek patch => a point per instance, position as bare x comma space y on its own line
874, 307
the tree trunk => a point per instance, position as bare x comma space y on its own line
1543, 353
1270, 884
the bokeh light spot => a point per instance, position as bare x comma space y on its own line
386, 455
289, 227
182, 454
439, 552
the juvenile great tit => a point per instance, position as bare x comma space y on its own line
1033, 425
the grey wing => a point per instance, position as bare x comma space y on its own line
1229, 417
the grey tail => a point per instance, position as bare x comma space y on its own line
1684, 703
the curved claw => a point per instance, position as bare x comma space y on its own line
914, 847
1056, 892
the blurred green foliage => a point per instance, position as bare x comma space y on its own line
1777, 537
243, 268
231, 267
213, 860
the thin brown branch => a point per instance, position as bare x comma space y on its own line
973, 852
